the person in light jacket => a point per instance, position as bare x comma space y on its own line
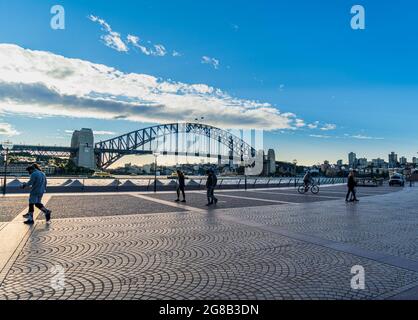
37, 183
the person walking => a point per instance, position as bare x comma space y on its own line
180, 186
211, 183
37, 183
351, 185
214, 184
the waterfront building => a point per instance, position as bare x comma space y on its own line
352, 160
378, 163
393, 159
269, 163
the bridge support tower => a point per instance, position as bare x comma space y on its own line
83, 141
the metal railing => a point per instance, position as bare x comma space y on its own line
85, 184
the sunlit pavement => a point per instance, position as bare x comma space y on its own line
256, 244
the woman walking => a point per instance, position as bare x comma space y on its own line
37, 183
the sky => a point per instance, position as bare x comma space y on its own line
295, 69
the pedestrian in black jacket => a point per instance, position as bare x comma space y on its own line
211, 183
351, 185
181, 184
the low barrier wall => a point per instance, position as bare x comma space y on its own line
141, 185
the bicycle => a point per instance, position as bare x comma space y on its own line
312, 186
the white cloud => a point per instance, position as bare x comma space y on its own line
132, 39
111, 39
320, 136
324, 127
289, 115
346, 136
313, 125
176, 54
104, 133
40, 83
299, 123
160, 51
157, 50
328, 127
6, 129
363, 137
211, 61
96, 132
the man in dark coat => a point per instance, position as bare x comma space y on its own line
181, 186
351, 185
211, 183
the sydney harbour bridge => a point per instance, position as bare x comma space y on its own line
174, 139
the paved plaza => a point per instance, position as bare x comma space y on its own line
256, 244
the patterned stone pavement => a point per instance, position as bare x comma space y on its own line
229, 253
103, 205
384, 223
199, 200
10, 207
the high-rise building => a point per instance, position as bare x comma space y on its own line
269, 163
271, 158
352, 160
414, 160
403, 161
325, 166
340, 163
393, 159
378, 163
362, 162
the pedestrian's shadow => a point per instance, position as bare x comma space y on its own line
43, 226
352, 207
353, 216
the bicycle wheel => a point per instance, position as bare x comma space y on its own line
301, 189
315, 189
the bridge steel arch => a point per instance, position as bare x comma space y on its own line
140, 142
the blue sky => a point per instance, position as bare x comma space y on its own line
301, 57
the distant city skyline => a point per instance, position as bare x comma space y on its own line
392, 157
196, 160
317, 87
